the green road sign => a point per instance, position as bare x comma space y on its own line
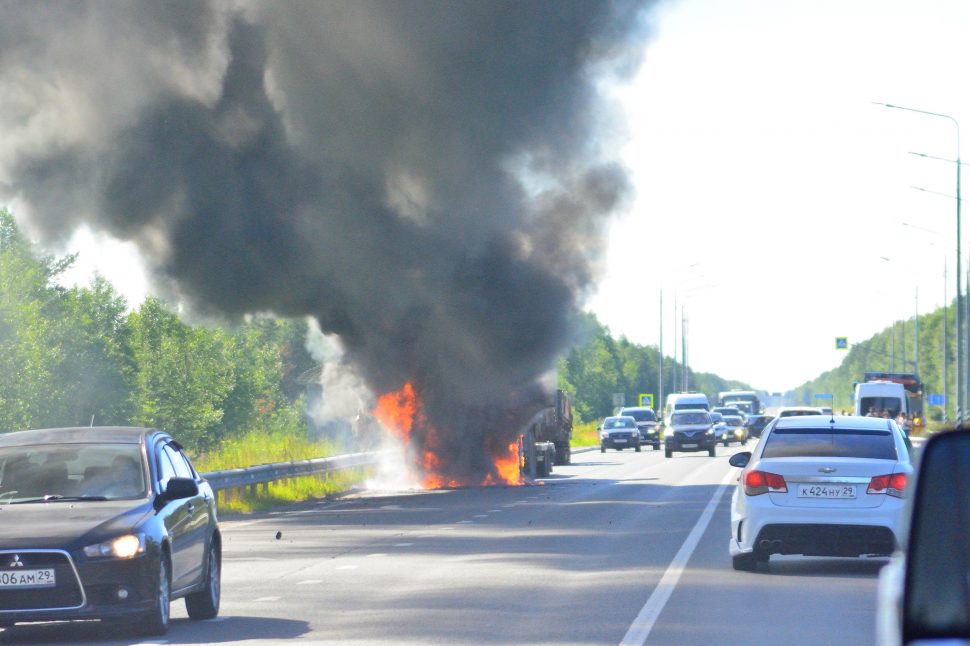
841, 343
646, 399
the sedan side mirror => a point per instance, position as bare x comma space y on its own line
179, 488
740, 460
936, 597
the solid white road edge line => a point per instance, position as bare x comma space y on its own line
640, 628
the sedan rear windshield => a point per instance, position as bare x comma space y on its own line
843, 443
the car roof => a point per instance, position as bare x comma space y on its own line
78, 435
620, 417
631, 408
840, 422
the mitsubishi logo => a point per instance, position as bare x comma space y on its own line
827, 470
16, 561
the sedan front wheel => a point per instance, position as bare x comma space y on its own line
157, 619
204, 604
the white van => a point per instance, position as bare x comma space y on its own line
880, 396
682, 401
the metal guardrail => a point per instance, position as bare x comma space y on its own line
231, 480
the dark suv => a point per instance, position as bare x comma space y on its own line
646, 424
689, 430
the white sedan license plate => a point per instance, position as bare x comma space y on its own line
689, 446
825, 491
619, 440
27, 579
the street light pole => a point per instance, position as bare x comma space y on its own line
660, 376
944, 354
960, 381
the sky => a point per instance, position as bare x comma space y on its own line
773, 200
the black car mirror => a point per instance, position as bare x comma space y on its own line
178, 488
936, 596
740, 460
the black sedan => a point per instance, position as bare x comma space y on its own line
106, 523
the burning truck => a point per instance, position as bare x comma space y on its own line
489, 452
545, 439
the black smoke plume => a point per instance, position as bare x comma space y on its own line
426, 178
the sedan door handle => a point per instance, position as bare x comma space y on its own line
191, 507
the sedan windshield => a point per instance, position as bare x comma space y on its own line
691, 418
619, 422
71, 472
843, 443
642, 415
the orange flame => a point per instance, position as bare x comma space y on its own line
397, 411
401, 413
507, 465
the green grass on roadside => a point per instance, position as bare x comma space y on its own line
295, 490
585, 435
260, 447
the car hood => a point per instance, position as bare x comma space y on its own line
60, 524
646, 424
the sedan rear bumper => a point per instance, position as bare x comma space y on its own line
817, 532
826, 540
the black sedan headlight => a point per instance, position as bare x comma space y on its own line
121, 547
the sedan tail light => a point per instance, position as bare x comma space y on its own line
759, 482
893, 484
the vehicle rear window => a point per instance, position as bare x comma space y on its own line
843, 443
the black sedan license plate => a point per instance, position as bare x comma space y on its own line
12, 579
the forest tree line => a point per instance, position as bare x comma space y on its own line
79, 355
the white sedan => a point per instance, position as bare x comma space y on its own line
820, 486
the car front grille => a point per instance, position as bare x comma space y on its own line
67, 594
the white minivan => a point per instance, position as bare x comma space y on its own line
684, 401
878, 396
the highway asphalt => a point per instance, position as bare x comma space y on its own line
620, 547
